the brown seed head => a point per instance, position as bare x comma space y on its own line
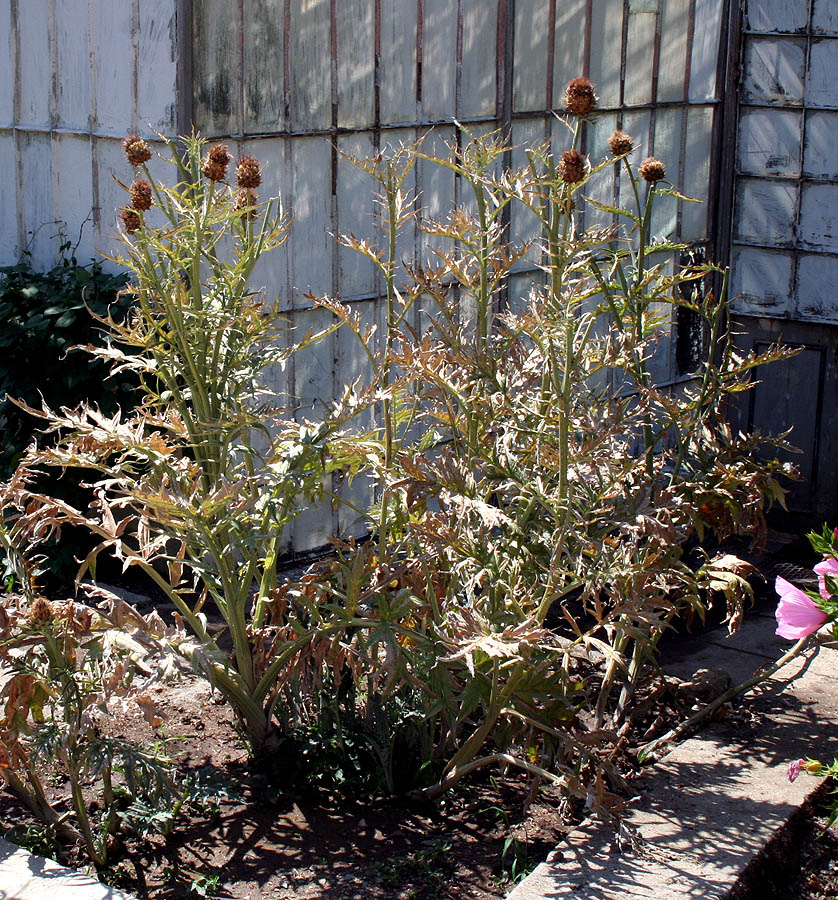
215, 163
579, 96
141, 194
620, 143
652, 170
572, 167
40, 611
246, 201
247, 172
130, 219
136, 149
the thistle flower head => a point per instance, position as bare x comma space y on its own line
136, 149
130, 219
40, 611
215, 163
572, 167
248, 174
652, 170
620, 143
245, 202
140, 194
579, 96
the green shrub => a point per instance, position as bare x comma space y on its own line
43, 317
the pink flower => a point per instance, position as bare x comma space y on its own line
795, 768
827, 567
797, 615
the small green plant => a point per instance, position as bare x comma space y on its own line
37, 838
423, 869
206, 885
65, 663
43, 317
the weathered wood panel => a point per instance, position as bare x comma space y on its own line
765, 212
778, 15
478, 82
9, 244
762, 281
156, 87
825, 17
40, 227
698, 151
677, 28
271, 273
437, 185
8, 56
398, 74
769, 142
532, 25
356, 191
73, 107
601, 186
263, 62
440, 25
668, 148
819, 216
822, 85
640, 52
774, 71
216, 76
310, 246
73, 181
112, 54
604, 61
34, 62
820, 152
815, 294
309, 65
355, 43
704, 61
569, 59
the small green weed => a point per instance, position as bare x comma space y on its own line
423, 869
206, 885
37, 838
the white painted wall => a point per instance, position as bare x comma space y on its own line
76, 76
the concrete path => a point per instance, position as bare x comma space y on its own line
708, 807
27, 877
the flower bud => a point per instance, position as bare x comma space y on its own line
652, 170
141, 194
572, 167
215, 163
136, 149
245, 203
579, 96
620, 143
247, 172
40, 612
130, 219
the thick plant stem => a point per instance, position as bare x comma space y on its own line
649, 752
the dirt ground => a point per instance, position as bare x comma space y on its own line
276, 843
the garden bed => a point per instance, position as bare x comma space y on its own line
275, 841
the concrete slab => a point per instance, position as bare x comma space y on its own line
24, 876
707, 808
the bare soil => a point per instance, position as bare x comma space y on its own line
276, 842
